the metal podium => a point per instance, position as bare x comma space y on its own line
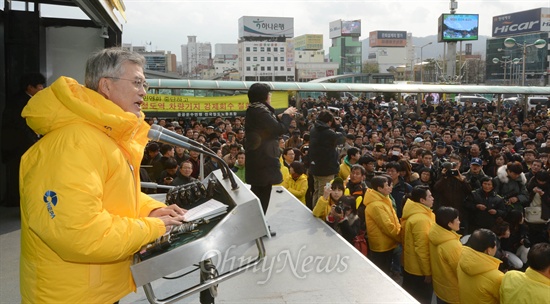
244, 223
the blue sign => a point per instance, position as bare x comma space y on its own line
517, 23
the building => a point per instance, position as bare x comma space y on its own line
345, 47
196, 56
505, 64
159, 60
309, 58
264, 52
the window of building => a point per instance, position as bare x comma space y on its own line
255, 49
262, 49
255, 59
282, 49
262, 68
269, 68
276, 68
275, 49
248, 49
288, 69
268, 58
247, 58
248, 68
275, 58
282, 58
269, 49
262, 59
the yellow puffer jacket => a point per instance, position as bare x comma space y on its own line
383, 227
524, 287
323, 207
416, 222
445, 251
298, 187
478, 277
82, 213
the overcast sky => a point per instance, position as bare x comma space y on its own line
167, 23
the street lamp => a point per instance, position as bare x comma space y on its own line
422, 63
505, 61
511, 42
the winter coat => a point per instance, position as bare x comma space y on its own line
298, 187
507, 188
482, 218
445, 251
415, 225
322, 149
544, 199
345, 169
451, 192
82, 213
383, 227
262, 131
323, 207
478, 277
240, 171
524, 287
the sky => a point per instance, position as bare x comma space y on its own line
167, 23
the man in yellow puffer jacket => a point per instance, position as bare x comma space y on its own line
82, 213
383, 228
478, 276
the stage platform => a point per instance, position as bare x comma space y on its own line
307, 262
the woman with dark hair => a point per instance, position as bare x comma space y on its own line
343, 218
518, 242
509, 260
445, 251
495, 162
330, 197
416, 223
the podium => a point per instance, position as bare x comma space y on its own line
243, 224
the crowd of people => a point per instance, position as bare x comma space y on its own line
403, 187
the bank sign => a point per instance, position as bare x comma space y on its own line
255, 26
531, 21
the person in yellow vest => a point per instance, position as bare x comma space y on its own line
330, 197
478, 275
416, 222
533, 286
353, 155
296, 181
445, 251
383, 228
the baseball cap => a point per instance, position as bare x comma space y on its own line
440, 144
476, 161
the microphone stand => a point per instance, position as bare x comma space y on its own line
161, 134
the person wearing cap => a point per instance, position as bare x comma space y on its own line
474, 175
368, 162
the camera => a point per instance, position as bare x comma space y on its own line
453, 172
448, 165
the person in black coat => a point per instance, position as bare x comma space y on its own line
484, 206
322, 151
262, 129
17, 137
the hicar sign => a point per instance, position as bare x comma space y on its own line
521, 22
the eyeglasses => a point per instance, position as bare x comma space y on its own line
138, 83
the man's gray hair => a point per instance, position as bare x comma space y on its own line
108, 63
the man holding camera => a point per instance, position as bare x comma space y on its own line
451, 190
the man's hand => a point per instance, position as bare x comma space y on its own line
171, 215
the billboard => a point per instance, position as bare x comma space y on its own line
530, 21
254, 26
351, 28
341, 28
335, 29
458, 27
388, 39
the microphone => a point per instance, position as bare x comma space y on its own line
192, 142
159, 135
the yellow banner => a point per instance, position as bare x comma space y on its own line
239, 103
